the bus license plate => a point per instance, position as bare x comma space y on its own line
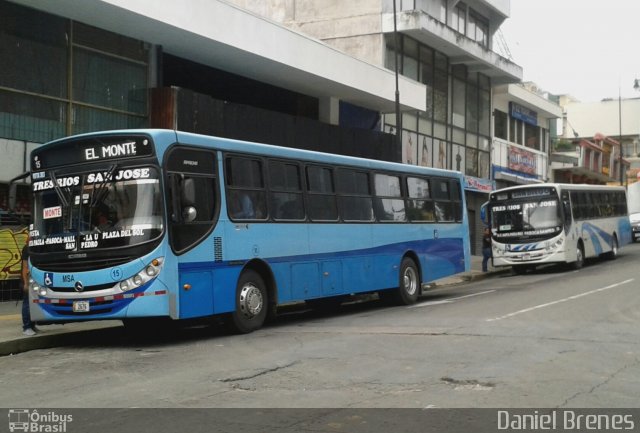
80, 306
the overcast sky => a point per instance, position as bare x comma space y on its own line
586, 48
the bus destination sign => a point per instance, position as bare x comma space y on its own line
92, 150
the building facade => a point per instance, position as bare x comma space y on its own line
523, 117
447, 46
613, 120
80, 66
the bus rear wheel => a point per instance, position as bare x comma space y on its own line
613, 254
251, 303
409, 285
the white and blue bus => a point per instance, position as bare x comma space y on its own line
158, 223
537, 224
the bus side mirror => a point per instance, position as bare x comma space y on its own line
13, 187
484, 216
188, 193
189, 214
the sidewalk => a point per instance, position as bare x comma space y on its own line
12, 341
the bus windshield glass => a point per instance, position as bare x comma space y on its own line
112, 208
537, 218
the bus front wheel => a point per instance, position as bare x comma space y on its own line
251, 303
579, 263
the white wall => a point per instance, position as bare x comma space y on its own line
14, 158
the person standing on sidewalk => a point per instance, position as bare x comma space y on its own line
486, 248
28, 327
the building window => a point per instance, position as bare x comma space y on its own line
478, 29
532, 136
44, 98
459, 18
500, 120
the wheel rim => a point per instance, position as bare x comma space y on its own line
251, 301
580, 257
614, 247
410, 280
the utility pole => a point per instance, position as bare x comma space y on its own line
620, 132
396, 48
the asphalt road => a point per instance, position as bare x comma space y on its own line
553, 338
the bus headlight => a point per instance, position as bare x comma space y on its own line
37, 288
34, 286
144, 276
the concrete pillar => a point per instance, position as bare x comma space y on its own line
329, 110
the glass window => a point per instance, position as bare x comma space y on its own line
106, 81
321, 194
532, 138
448, 204
284, 176
353, 182
246, 205
29, 118
34, 45
515, 133
108, 77
387, 207
244, 172
441, 189
245, 193
472, 109
458, 103
286, 199
87, 119
320, 179
420, 208
388, 186
418, 188
500, 124
440, 96
355, 199
410, 58
471, 162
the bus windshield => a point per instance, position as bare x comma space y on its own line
528, 218
112, 208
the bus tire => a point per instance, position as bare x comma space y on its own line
613, 254
579, 263
520, 269
252, 303
409, 284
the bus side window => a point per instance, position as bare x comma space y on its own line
192, 200
566, 210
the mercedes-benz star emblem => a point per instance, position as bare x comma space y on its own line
79, 287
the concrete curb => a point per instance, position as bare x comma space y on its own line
55, 339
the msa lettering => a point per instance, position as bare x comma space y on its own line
68, 278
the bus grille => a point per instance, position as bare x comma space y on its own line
85, 289
79, 265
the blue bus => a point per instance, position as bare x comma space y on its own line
158, 223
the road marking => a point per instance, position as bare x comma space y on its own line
10, 317
450, 300
570, 298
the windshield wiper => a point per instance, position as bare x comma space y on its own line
99, 192
58, 190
